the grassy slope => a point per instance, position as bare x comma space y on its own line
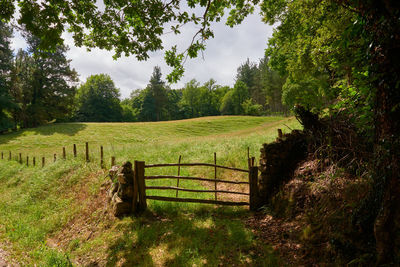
62, 205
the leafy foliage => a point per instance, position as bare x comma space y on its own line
6, 102
98, 100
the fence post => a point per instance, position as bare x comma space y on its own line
135, 187
27, 160
20, 158
139, 172
64, 154
2, 155
43, 161
215, 173
112, 161
74, 151
87, 152
9, 157
280, 134
253, 159
34, 161
101, 157
248, 158
254, 195
179, 173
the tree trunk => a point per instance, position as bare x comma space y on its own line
388, 156
384, 23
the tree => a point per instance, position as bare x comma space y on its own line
191, 97
210, 98
43, 85
240, 94
151, 103
174, 110
21, 86
227, 105
158, 92
6, 56
129, 114
271, 84
247, 73
98, 100
250, 108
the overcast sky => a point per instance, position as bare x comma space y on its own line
224, 54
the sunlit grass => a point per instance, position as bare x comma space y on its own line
36, 203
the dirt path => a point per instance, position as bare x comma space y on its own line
3, 262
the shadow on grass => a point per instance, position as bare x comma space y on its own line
181, 236
69, 129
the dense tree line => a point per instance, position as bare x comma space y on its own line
257, 91
38, 87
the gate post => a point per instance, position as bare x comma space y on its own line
141, 184
254, 194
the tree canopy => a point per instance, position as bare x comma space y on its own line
98, 100
126, 27
6, 103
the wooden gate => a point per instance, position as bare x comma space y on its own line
140, 196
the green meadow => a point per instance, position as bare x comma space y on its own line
58, 216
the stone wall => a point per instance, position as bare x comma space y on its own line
278, 161
121, 192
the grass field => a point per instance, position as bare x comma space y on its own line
56, 215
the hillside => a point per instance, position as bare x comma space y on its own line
58, 215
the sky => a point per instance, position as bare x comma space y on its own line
224, 54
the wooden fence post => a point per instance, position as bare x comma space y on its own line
280, 134
20, 158
215, 174
139, 172
34, 161
135, 187
27, 160
101, 157
253, 159
2, 155
248, 158
9, 157
254, 195
112, 161
64, 154
55, 157
179, 173
43, 161
87, 152
74, 151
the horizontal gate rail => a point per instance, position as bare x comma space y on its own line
195, 164
195, 190
194, 200
153, 177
